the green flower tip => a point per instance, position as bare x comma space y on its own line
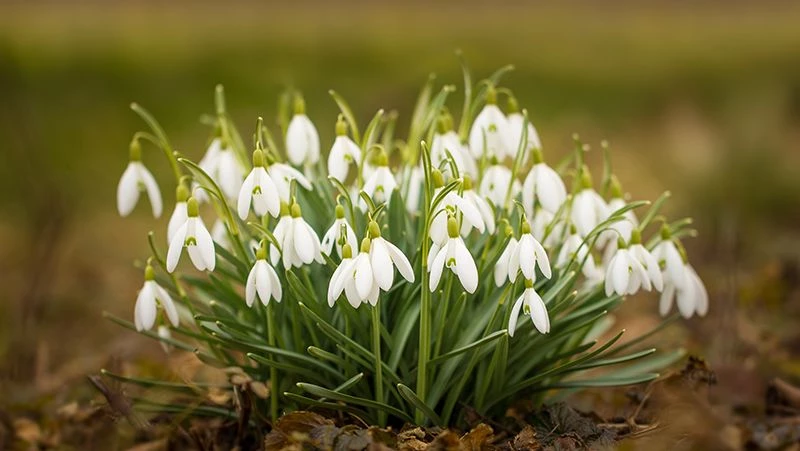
513, 105
621, 244
365, 244
135, 150
258, 158
616, 188
374, 230
149, 273
181, 193
636, 236
466, 182
284, 209
538, 156
438, 178
572, 229
452, 227
299, 104
347, 251
666, 234
341, 126
381, 159
528, 283
491, 95
192, 208
586, 178
296, 210
339, 211
441, 125
261, 253
526, 226
682, 251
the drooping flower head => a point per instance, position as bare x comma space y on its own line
344, 153
179, 214
531, 305
299, 242
489, 133
542, 185
333, 234
262, 280
146, 309
302, 138
453, 203
445, 141
134, 180
259, 190
588, 208
455, 256
381, 183
516, 127
194, 236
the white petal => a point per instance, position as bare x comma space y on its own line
246, 196
471, 214
364, 276
527, 257
206, 246
436, 268
275, 283
330, 237
127, 190
151, 187
538, 311
351, 292
665, 302
166, 302
178, 218
700, 292
465, 267
303, 241
250, 287
381, 264
176, 247
146, 306
512, 320
263, 282
400, 261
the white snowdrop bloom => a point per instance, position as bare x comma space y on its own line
495, 184
164, 333
501, 273
670, 261
343, 153
588, 210
528, 254
471, 197
574, 247
622, 228
452, 204
209, 163
516, 124
194, 236
691, 295
489, 133
135, 179
648, 261
302, 138
531, 305
179, 214
259, 190
262, 281
380, 183
543, 185
299, 242
343, 279
384, 257
282, 175
540, 221
219, 233
227, 172
625, 274
447, 140
333, 234
146, 309
455, 256
364, 287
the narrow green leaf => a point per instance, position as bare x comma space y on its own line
412, 398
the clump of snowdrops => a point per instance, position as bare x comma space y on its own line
403, 277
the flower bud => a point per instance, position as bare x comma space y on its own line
438, 178
192, 209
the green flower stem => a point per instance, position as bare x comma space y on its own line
162, 138
445, 304
273, 372
376, 349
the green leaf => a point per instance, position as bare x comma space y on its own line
489, 338
325, 393
347, 112
412, 398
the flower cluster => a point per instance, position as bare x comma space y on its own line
479, 200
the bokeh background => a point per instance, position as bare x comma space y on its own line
701, 98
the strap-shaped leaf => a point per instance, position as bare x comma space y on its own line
412, 398
316, 390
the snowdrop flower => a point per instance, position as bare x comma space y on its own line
625, 273
648, 261
219, 233
501, 273
135, 179
259, 190
194, 236
532, 305
489, 131
381, 183
588, 208
343, 279
384, 257
446, 139
452, 203
471, 197
262, 280
299, 242
527, 255
332, 235
343, 153
516, 124
495, 184
146, 309
179, 214
455, 256
574, 247
544, 185
302, 139
412, 191
691, 294
670, 261
221, 164
623, 228
541, 220
283, 174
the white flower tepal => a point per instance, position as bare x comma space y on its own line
259, 190
135, 179
262, 281
532, 305
146, 309
343, 154
333, 234
489, 133
302, 138
455, 256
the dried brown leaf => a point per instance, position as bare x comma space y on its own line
479, 438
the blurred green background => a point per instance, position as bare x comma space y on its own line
702, 98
